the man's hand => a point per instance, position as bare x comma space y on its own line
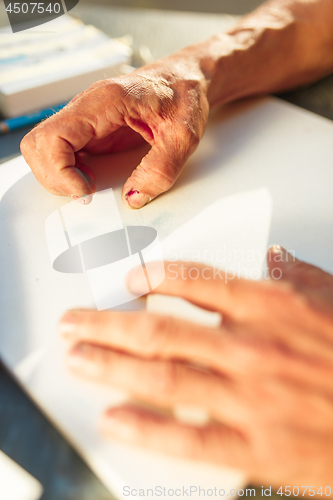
284, 43
165, 105
265, 376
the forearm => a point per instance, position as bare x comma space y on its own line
282, 44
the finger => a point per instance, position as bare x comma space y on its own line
50, 147
159, 169
169, 384
87, 171
281, 262
264, 311
263, 458
225, 350
163, 383
284, 265
154, 335
208, 287
312, 282
212, 443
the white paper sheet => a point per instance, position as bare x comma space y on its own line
100, 217
262, 174
106, 250
16, 483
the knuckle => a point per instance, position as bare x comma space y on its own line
29, 149
163, 177
105, 366
96, 85
167, 331
113, 86
145, 334
165, 380
155, 330
25, 144
42, 130
29, 141
165, 180
91, 359
101, 362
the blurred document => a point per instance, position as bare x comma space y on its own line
16, 483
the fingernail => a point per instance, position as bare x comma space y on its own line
135, 199
68, 324
78, 354
87, 199
136, 281
84, 200
276, 249
279, 253
124, 427
78, 199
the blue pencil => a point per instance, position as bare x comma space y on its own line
23, 121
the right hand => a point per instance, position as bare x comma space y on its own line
164, 104
264, 376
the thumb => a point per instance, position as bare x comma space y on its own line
158, 171
284, 265
280, 262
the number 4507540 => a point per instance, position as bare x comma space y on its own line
308, 491
31, 7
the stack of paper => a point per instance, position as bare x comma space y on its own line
39, 70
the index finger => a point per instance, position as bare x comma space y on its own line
209, 287
50, 148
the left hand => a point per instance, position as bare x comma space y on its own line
267, 377
164, 104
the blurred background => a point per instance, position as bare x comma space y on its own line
236, 7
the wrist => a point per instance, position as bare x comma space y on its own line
280, 46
